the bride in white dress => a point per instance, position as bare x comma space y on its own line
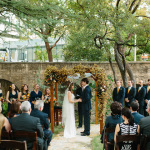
68, 112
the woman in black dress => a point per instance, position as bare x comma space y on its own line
24, 94
128, 127
35, 95
12, 95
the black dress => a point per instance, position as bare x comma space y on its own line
11, 96
34, 96
47, 105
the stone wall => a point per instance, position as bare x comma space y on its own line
20, 73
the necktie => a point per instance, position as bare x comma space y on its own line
128, 90
118, 91
139, 89
147, 89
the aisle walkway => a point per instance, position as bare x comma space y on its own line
77, 143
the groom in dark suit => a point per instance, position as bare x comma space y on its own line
86, 105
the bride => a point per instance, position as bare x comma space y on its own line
68, 112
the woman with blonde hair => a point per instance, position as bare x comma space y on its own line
3, 121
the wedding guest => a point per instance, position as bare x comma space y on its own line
130, 94
1, 91
128, 127
147, 97
12, 95
80, 111
24, 94
37, 112
134, 108
140, 96
145, 128
119, 93
25, 122
4, 123
112, 121
35, 95
14, 110
47, 98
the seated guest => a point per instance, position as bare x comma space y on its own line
134, 106
37, 112
4, 123
145, 127
14, 110
25, 122
112, 121
128, 127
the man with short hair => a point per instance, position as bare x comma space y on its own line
119, 93
37, 112
134, 106
129, 94
147, 97
140, 96
25, 122
145, 127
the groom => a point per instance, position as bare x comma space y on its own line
86, 105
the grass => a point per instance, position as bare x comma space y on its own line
96, 143
57, 130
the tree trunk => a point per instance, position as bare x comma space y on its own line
120, 59
49, 51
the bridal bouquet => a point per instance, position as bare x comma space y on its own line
1, 99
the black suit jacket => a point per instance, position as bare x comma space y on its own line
130, 95
145, 129
86, 98
120, 96
140, 96
147, 95
79, 95
42, 116
25, 122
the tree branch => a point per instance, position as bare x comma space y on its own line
132, 4
136, 7
117, 4
128, 52
143, 16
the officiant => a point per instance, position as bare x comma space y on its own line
80, 113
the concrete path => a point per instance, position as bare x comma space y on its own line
77, 143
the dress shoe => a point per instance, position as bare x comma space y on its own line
84, 134
79, 127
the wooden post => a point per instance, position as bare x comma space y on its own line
96, 104
52, 109
56, 91
101, 124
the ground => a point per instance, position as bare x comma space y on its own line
77, 143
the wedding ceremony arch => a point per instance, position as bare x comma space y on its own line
54, 76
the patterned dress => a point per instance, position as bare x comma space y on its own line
126, 129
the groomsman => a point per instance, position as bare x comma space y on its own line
119, 93
147, 97
80, 113
140, 97
130, 94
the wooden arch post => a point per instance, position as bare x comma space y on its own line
56, 91
96, 104
52, 108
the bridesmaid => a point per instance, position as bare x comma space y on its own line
24, 94
47, 98
1, 91
12, 95
35, 95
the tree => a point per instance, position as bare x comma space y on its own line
114, 24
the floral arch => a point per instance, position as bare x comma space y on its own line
54, 76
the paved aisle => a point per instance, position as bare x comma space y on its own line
77, 143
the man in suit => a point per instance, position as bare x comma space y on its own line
37, 112
147, 97
129, 94
86, 105
140, 96
134, 106
25, 122
79, 95
145, 127
119, 93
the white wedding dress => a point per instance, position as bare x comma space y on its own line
68, 116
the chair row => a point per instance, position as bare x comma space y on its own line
122, 138
21, 136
